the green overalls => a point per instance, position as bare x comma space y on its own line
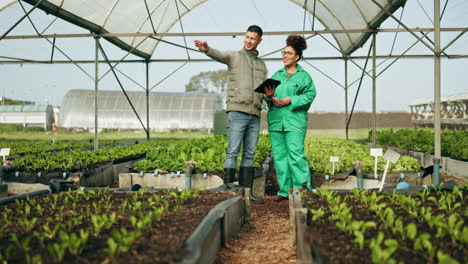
287, 126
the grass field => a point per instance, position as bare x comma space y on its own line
354, 134
17, 132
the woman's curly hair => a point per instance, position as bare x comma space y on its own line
298, 43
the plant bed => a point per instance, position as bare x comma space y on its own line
102, 226
370, 227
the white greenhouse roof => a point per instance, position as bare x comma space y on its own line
25, 108
450, 98
128, 16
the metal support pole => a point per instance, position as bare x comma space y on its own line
147, 102
96, 83
437, 51
374, 79
346, 97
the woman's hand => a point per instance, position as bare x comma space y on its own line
280, 103
285, 101
276, 102
270, 90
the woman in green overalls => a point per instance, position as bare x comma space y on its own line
287, 118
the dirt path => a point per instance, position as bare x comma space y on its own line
265, 239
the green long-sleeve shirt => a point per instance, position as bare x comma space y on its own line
301, 89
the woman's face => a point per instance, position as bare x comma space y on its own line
289, 56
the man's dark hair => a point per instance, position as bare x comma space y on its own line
255, 28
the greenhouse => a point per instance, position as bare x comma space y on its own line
369, 196
27, 115
453, 111
167, 111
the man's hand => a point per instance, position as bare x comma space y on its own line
201, 45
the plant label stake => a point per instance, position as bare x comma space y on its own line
376, 153
334, 159
4, 152
390, 156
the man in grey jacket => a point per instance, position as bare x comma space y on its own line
245, 73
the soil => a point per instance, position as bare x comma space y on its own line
161, 242
265, 239
335, 246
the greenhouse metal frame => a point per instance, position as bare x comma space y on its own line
341, 35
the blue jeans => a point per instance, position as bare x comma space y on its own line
242, 129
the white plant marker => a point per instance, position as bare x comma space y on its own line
376, 153
4, 152
334, 160
390, 156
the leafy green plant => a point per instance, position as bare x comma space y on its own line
383, 253
120, 242
423, 140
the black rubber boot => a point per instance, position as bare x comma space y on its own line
228, 176
228, 179
246, 176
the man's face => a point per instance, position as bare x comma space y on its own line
251, 41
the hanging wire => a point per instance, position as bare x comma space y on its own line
443, 10
425, 12
359, 87
408, 49
313, 20
258, 11
169, 75
275, 51
21, 19
398, 26
129, 78
63, 53
126, 55
121, 86
317, 69
45, 29
305, 13
174, 44
20, 59
182, 28
149, 16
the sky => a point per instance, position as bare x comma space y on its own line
401, 84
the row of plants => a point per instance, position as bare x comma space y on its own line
19, 148
381, 228
454, 143
319, 151
208, 153
83, 226
75, 159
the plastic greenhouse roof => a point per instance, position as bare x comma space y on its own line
127, 16
23, 108
450, 98
167, 110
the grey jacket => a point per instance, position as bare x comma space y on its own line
245, 73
